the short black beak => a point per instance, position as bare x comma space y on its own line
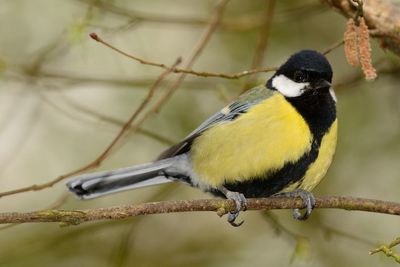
322, 84
269, 83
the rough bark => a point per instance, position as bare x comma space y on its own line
220, 206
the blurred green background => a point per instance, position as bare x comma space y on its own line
63, 98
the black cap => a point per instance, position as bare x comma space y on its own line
307, 60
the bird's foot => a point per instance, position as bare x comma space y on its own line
240, 203
308, 199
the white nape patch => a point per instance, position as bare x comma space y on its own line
288, 87
332, 92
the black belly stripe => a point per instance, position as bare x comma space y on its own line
273, 182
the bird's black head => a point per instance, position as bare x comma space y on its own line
305, 81
303, 72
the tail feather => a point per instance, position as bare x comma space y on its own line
93, 185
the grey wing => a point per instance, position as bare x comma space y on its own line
228, 113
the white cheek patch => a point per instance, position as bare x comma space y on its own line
288, 87
333, 94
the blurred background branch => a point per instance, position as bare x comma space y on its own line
197, 50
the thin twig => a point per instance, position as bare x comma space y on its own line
196, 52
57, 203
330, 231
105, 153
220, 206
19, 73
264, 34
333, 47
99, 117
262, 41
192, 58
186, 70
127, 126
138, 16
238, 23
388, 251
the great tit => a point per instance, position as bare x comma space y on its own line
275, 139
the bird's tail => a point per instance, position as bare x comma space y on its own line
93, 185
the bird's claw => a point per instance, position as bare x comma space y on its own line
240, 204
308, 199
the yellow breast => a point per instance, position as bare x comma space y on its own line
266, 137
318, 169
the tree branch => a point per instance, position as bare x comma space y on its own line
382, 17
190, 71
237, 23
221, 206
388, 251
262, 44
97, 162
128, 127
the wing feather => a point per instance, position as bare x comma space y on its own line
228, 113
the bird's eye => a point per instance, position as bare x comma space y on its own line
300, 76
